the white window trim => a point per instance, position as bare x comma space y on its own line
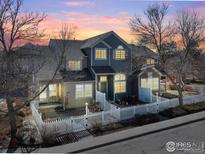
105, 54
119, 58
115, 81
84, 85
74, 60
120, 47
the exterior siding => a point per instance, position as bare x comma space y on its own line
69, 95
87, 51
119, 65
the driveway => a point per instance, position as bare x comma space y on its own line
156, 143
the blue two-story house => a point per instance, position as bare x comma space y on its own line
102, 63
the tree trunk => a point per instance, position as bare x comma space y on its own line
12, 121
180, 96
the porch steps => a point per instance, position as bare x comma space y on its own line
72, 137
67, 138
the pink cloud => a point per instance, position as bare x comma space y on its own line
88, 24
78, 3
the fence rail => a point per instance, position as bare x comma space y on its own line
110, 114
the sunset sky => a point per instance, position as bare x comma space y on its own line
93, 17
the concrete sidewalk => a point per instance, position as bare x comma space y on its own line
124, 135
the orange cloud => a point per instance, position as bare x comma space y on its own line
88, 24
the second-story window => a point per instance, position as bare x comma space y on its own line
150, 61
100, 54
74, 65
119, 53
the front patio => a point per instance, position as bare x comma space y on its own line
58, 113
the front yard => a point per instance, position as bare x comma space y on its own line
58, 112
22, 115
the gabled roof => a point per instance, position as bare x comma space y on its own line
143, 69
90, 41
140, 51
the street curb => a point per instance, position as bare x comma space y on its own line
124, 135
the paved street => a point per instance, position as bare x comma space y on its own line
155, 143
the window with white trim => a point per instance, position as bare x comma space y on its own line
74, 65
52, 88
152, 84
83, 90
150, 61
101, 53
119, 53
120, 83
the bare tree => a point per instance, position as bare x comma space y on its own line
190, 27
155, 31
18, 64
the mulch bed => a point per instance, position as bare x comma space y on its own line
139, 120
183, 110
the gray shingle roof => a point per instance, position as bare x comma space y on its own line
73, 76
73, 46
89, 42
143, 51
103, 69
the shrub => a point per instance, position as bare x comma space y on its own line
193, 108
172, 87
93, 107
96, 129
21, 113
173, 112
49, 138
169, 95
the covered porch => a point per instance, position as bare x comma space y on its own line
152, 83
52, 95
104, 79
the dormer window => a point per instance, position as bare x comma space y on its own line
100, 53
74, 65
150, 61
119, 53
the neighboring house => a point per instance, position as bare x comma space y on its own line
148, 81
101, 63
142, 56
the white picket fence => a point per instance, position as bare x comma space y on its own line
101, 98
111, 114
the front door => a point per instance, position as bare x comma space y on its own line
103, 85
